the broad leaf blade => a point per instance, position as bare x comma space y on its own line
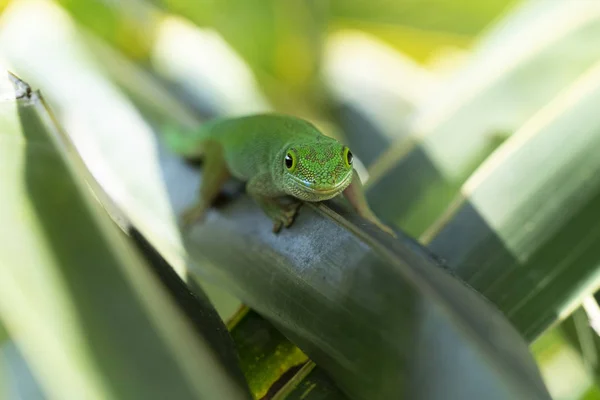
345, 284
318, 281
524, 231
74, 294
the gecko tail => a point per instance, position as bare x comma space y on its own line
182, 142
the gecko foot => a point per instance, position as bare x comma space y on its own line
192, 215
284, 215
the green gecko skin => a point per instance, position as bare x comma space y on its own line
283, 160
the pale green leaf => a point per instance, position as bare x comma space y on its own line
75, 296
524, 62
524, 231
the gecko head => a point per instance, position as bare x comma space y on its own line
317, 170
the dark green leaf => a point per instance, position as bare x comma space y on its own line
377, 314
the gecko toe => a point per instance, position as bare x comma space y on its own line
192, 215
277, 226
284, 216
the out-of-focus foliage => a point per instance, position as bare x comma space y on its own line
455, 109
554, 195
417, 29
75, 296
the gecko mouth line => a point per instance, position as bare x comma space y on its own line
332, 190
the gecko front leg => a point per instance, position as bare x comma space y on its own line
282, 209
214, 175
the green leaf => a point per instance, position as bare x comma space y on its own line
315, 385
16, 378
562, 368
267, 358
276, 27
82, 305
326, 277
348, 280
128, 30
523, 232
418, 29
506, 81
467, 17
3, 334
148, 93
579, 334
372, 108
54, 57
4, 383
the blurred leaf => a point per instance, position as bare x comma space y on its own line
419, 29
57, 306
3, 378
315, 385
206, 69
49, 55
150, 94
424, 46
3, 334
193, 303
524, 62
579, 334
16, 379
580, 329
374, 89
593, 393
198, 61
280, 40
467, 17
132, 30
561, 367
43, 45
266, 356
201, 12
524, 231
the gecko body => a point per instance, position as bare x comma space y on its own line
284, 160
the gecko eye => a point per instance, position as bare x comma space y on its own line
348, 157
290, 160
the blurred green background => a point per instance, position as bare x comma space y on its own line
443, 101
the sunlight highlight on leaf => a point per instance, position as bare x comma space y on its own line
206, 68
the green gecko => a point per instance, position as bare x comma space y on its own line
284, 160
